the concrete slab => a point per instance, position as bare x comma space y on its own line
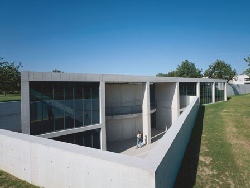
128, 147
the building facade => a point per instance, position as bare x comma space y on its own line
93, 110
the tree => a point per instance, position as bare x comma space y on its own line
57, 71
169, 74
248, 61
186, 69
10, 77
220, 70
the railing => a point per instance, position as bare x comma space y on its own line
125, 110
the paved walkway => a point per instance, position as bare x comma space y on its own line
128, 147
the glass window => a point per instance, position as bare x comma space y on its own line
69, 105
62, 105
59, 105
36, 108
205, 92
219, 91
79, 104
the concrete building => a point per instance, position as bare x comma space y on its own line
241, 79
95, 110
100, 111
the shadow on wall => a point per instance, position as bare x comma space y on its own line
187, 173
235, 90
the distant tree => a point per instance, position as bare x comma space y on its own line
58, 71
10, 77
161, 75
220, 70
247, 71
186, 69
169, 74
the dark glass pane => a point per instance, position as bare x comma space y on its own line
79, 102
205, 93
219, 91
36, 108
87, 138
59, 105
79, 139
96, 138
87, 103
48, 107
69, 105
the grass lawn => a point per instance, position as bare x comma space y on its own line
9, 181
10, 97
218, 154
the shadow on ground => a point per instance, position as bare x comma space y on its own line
186, 176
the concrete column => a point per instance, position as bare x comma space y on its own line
225, 92
176, 103
198, 90
146, 115
102, 116
213, 92
25, 103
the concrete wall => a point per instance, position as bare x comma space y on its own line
123, 95
164, 95
125, 126
169, 150
10, 116
237, 89
186, 100
123, 129
48, 163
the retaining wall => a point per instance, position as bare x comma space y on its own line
49, 163
10, 116
237, 89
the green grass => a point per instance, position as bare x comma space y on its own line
218, 154
10, 97
9, 181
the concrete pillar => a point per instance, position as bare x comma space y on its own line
198, 90
102, 116
25, 103
213, 92
225, 92
146, 115
175, 103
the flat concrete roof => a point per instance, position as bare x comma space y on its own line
110, 78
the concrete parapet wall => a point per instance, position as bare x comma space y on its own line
48, 163
169, 151
10, 116
237, 89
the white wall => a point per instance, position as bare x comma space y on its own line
10, 116
123, 95
234, 89
123, 127
49, 163
169, 150
186, 100
164, 94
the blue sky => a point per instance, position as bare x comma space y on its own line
136, 37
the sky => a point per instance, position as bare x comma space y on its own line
132, 37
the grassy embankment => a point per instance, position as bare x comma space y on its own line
218, 154
9, 181
10, 97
